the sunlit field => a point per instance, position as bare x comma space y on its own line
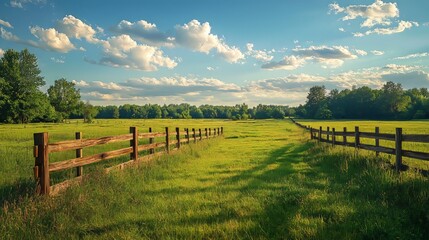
262, 180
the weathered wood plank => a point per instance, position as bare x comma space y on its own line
415, 138
418, 155
151, 146
61, 187
382, 136
151, 134
83, 143
379, 149
88, 160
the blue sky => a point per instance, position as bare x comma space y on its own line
220, 52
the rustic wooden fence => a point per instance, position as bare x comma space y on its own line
42, 148
397, 137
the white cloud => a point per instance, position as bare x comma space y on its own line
57, 60
8, 35
21, 3
5, 23
378, 13
288, 63
400, 68
329, 57
75, 28
377, 53
361, 52
51, 39
145, 32
415, 55
210, 68
402, 26
341, 29
260, 55
123, 51
198, 37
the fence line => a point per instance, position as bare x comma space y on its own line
398, 137
42, 149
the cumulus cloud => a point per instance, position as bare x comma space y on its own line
260, 55
51, 39
377, 53
198, 37
123, 51
402, 26
145, 32
378, 13
341, 29
415, 55
288, 63
361, 52
5, 23
329, 57
75, 28
409, 79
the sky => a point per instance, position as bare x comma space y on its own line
220, 52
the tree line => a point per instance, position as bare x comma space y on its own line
390, 102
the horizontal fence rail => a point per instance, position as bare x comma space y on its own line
330, 136
42, 149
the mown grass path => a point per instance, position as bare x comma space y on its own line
264, 180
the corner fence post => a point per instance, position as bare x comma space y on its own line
167, 140
42, 163
333, 137
377, 140
178, 137
151, 141
344, 136
79, 154
134, 143
320, 134
398, 149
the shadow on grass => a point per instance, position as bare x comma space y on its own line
15, 192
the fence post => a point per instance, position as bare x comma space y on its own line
327, 134
398, 148
311, 133
187, 134
178, 137
377, 140
221, 130
79, 154
42, 163
210, 132
320, 134
333, 137
151, 141
134, 143
207, 135
344, 136
218, 131
201, 136
195, 136
167, 140
357, 139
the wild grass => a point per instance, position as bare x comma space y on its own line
264, 180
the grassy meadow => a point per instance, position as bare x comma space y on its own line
263, 180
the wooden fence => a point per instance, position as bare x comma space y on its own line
332, 134
42, 149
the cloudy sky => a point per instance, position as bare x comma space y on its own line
220, 52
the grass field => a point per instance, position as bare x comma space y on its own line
264, 180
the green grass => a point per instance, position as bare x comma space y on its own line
264, 180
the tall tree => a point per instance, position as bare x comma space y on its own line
315, 99
20, 86
64, 97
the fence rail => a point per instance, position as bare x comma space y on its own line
397, 137
42, 149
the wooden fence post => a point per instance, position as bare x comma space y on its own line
201, 136
167, 140
134, 143
377, 140
210, 132
398, 149
187, 134
333, 137
218, 131
195, 136
207, 135
344, 136
42, 163
320, 134
151, 141
327, 134
178, 137
357, 139
79, 154
311, 133
221, 130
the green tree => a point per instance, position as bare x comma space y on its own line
89, 112
315, 98
19, 86
64, 97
